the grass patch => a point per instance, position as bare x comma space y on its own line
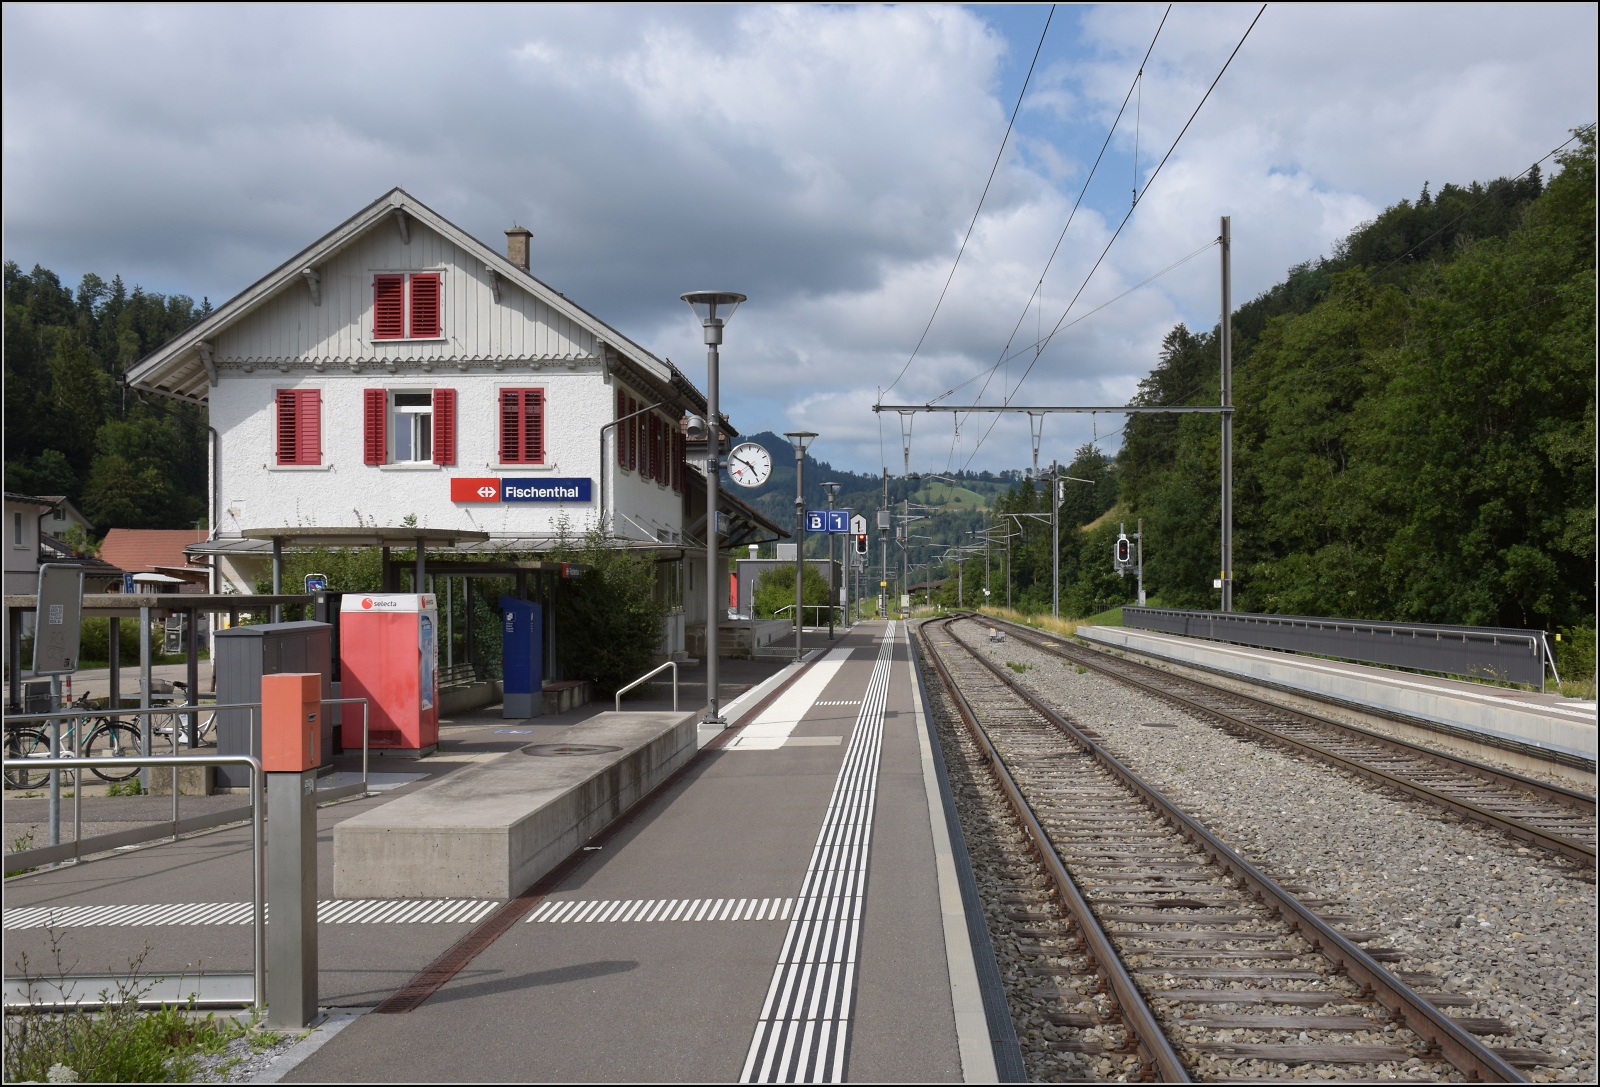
1048, 623
1018, 668
1112, 617
131, 787
114, 1042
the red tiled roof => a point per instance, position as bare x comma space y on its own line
143, 549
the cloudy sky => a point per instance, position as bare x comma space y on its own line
826, 161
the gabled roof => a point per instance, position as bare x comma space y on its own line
180, 369
30, 500
145, 549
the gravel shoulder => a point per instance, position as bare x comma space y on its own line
1507, 925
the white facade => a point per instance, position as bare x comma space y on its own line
312, 325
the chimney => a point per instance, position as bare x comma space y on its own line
517, 239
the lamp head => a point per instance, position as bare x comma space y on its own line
800, 439
714, 308
832, 488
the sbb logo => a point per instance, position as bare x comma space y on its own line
474, 489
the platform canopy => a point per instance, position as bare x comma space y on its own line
367, 536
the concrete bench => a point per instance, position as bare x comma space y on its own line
493, 830
567, 694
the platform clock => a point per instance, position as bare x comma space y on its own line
749, 465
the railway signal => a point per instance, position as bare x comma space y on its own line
1124, 553
861, 543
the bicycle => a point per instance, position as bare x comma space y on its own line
106, 738
163, 724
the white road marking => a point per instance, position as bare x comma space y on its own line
646, 910
453, 911
768, 731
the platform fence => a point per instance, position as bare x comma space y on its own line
1505, 655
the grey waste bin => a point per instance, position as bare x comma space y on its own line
242, 656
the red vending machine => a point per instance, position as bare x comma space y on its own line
389, 655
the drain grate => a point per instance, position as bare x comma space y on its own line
556, 751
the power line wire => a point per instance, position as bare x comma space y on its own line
1118, 233
970, 226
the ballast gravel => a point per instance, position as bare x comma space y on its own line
1507, 925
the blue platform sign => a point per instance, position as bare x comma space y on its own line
827, 521
548, 489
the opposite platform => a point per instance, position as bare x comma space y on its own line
1510, 717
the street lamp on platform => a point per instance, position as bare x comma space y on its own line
714, 308
799, 439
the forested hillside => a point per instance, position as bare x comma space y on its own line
1415, 437
1416, 421
70, 426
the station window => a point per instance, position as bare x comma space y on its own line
407, 305
299, 426
522, 426
409, 426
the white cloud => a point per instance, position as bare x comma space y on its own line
823, 160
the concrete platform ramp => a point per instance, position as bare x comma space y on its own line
492, 831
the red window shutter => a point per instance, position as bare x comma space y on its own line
288, 431
374, 426
522, 426
308, 426
641, 428
425, 305
622, 439
388, 307
444, 426
632, 427
655, 448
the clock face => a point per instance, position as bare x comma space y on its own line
749, 465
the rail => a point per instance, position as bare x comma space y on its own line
648, 675
1264, 720
1498, 653
811, 607
1421, 1017
177, 762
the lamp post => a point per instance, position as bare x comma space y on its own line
833, 593
1056, 479
714, 308
799, 439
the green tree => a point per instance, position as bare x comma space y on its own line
609, 616
775, 591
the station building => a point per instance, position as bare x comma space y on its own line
398, 373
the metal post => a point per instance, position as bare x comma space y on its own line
277, 576
713, 473
1055, 540
192, 677
419, 579
1139, 535
833, 595
55, 753
1227, 417
114, 651
1008, 566
449, 622
14, 659
144, 693
292, 899
799, 548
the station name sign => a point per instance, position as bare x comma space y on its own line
536, 489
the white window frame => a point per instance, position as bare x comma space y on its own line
395, 412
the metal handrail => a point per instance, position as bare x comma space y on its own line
258, 899
55, 718
653, 672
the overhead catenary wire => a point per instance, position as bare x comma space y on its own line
1038, 287
1118, 232
999, 155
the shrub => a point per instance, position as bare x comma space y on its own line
608, 619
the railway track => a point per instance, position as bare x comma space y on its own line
1184, 954
1549, 816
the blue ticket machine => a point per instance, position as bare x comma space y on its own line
522, 663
